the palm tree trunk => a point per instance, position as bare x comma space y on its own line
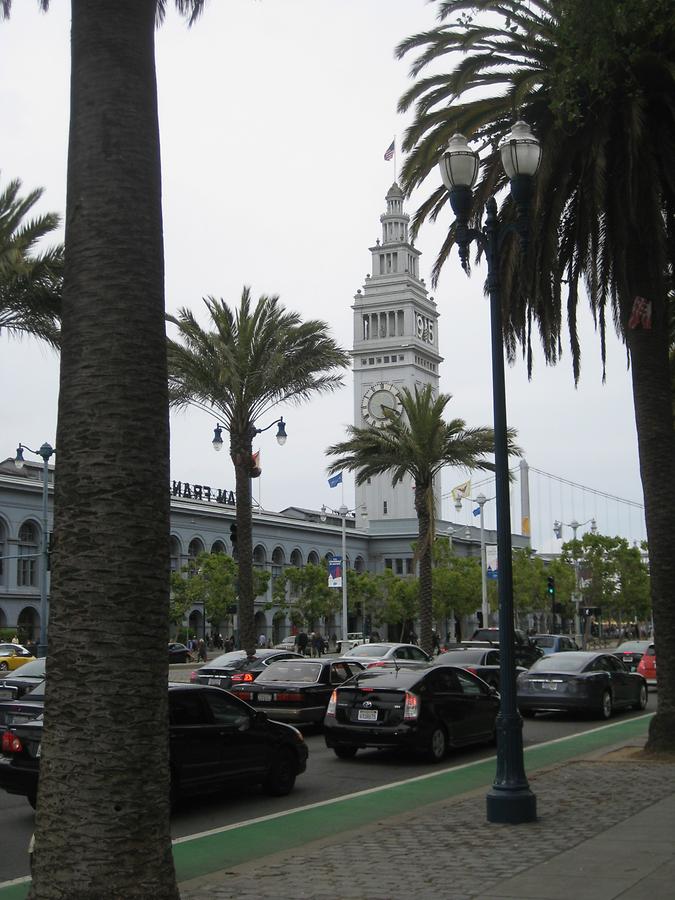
240, 451
102, 826
656, 442
425, 575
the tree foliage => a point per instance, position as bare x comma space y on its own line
303, 592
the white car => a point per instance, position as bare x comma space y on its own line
383, 654
354, 639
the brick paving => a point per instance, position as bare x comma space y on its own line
448, 850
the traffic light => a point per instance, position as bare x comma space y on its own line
233, 538
550, 587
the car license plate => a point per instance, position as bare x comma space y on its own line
215, 681
264, 698
549, 685
367, 715
6, 694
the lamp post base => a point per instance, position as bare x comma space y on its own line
511, 807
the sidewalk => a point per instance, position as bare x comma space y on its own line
606, 829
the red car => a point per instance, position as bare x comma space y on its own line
647, 666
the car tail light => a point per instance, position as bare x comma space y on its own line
332, 703
247, 677
411, 710
193, 677
289, 697
374, 665
472, 669
11, 743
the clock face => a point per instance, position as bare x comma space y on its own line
376, 400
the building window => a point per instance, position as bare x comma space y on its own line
389, 563
399, 567
384, 507
371, 360
26, 575
366, 328
386, 359
408, 566
363, 361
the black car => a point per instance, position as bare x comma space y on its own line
179, 653
631, 652
29, 706
297, 690
525, 650
237, 668
580, 681
215, 740
25, 678
427, 710
482, 661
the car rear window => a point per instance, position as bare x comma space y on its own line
298, 673
460, 657
368, 650
561, 662
544, 641
402, 679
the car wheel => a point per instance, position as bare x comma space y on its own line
642, 698
281, 778
606, 708
437, 746
344, 751
3, 667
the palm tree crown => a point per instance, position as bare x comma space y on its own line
419, 443
30, 283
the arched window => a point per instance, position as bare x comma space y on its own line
359, 564
26, 575
296, 559
278, 560
313, 558
194, 549
218, 547
175, 553
3, 550
259, 557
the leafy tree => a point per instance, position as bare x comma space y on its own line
309, 598
397, 601
529, 581
362, 594
595, 81
419, 443
253, 358
456, 583
110, 573
30, 283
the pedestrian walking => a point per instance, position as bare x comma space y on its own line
302, 642
317, 644
201, 650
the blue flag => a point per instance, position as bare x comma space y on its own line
335, 480
476, 511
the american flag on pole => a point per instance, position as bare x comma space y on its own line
389, 154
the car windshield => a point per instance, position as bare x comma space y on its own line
368, 650
562, 662
633, 647
34, 669
544, 640
460, 657
297, 672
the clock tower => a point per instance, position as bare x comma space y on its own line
395, 346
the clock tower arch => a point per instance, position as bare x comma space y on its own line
395, 346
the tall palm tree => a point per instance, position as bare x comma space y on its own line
253, 358
30, 282
419, 443
102, 824
596, 82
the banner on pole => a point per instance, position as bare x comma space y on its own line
491, 563
335, 572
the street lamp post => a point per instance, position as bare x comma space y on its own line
510, 799
46, 451
481, 500
343, 512
557, 531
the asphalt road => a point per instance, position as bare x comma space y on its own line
326, 777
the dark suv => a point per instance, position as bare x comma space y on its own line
215, 740
526, 651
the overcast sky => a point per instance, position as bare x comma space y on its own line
274, 118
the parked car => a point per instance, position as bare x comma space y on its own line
179, 653
289, 643
482, 662
554, 643
580, 681
647, 666
372, 655
29, 706
631, 652
14, 685
297, 690
426, 710
525, 650
12, 656
354, 639
215, 739
236, 667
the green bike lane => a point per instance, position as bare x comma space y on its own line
232, 845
